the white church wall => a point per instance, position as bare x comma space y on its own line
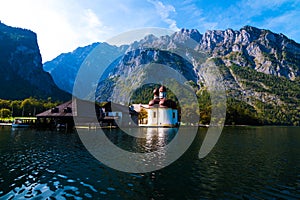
162, 117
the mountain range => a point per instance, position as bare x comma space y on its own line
260, 69
21, 68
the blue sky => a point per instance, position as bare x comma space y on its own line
63, 25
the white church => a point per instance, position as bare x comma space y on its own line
162, 112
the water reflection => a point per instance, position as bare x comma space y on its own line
16, 134
147, 140
151, 142
246, 163
157, 138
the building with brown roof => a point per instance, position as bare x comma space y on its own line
87, 113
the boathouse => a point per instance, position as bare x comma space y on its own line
57, 117
62, 116
87, 114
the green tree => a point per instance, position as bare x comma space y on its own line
5, 113
143, 114
31, 107
16, 108
4, 103
190, 114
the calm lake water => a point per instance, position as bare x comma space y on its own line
246, 163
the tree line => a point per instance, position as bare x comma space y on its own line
28, 107
238, 112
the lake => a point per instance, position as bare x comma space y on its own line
246, 163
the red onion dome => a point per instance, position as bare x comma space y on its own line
153, 102
162, 102
156, 92
167, 103
162, 89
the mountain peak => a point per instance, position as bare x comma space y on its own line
192, 33
251, 29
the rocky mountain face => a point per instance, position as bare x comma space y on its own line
21, 69
259, 49
259, 68
64, 68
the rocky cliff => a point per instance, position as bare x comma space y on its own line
21, 69
259, 49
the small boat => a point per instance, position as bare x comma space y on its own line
23, 122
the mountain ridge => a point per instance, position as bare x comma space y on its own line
248, 41
260, 69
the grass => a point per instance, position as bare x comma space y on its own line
6, 119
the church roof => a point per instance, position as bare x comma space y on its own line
161, 102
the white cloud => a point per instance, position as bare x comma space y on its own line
91, 18
247, 9
285, 24
263, 5
90, 28
191, 9
278, 16
164, 11
42, 18
62, 26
